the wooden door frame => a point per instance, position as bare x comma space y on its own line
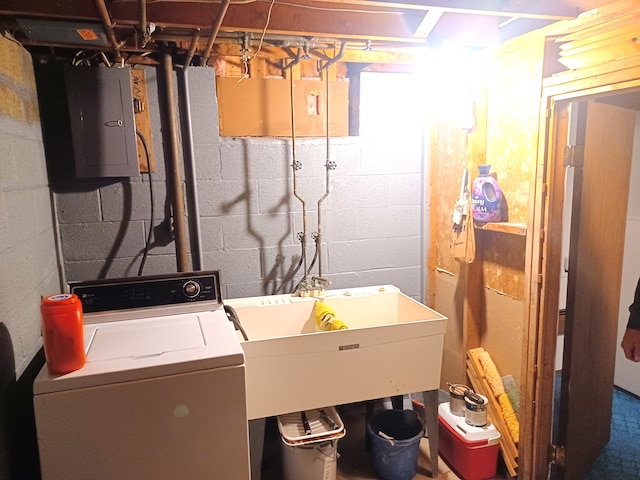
542, 271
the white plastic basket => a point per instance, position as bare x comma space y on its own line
322, 427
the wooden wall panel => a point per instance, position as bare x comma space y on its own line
142, 120
502, 335
451, 290
503, 262
261, 107
514, 82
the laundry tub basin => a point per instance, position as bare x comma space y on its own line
393, 346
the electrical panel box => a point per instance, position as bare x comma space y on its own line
103, 129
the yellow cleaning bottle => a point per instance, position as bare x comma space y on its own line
326, 318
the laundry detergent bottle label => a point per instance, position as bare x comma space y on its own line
486, 197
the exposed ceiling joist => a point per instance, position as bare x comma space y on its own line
429, 22
143, 25
545, 10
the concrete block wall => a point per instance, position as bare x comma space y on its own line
104, 223
28, 264
371, 222
27, 237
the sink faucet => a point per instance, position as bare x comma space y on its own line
314, 288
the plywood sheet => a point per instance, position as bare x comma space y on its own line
448, 302
261, 107
502, 333
449, 155
512, 125
504, 262
143, 121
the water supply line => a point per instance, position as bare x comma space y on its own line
296, 165
108, 25
215, 29
145, 28
192, 48
329, 165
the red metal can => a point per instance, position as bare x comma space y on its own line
62, 332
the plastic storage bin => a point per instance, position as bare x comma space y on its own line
471, 452
310, 451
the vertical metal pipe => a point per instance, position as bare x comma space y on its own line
192, 48
106, 23
177, 187
215, 28
328, 169
190, 172
143, 27
296, 166
328, 165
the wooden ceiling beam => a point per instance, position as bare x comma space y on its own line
284, 20
199, 14
429, 22
408, 22
558, 10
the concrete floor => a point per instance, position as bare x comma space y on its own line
354, 462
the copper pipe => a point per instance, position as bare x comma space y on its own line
294, 61
296, 165
144, 32
106, 23
334, 59
178, 189
215, 28
192, 48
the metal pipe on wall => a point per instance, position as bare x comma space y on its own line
190, 171
296, 165
329, 165
174, 157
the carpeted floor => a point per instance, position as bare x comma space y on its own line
620, 459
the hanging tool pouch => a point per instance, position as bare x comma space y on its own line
463, 241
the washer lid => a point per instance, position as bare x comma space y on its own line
144, 338
148, 348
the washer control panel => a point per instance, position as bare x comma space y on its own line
149, 291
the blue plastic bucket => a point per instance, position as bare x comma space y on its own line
395, 440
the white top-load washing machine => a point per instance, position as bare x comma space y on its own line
162, 395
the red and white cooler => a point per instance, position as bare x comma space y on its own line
471, 452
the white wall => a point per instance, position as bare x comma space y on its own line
627, 373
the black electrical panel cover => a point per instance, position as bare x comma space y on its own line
102, 121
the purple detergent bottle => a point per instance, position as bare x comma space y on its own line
486, 197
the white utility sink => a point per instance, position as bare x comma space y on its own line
393, 346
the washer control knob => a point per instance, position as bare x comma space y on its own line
191, 289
